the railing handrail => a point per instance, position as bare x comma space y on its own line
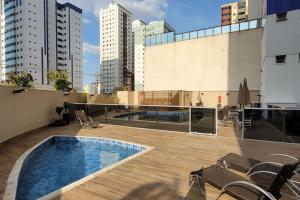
259, 21
287, 109
177, 106
170, 106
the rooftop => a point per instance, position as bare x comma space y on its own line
161, 173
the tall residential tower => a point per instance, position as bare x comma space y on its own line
140, 32
116, 48
40, 36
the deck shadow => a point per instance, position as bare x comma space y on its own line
156, 190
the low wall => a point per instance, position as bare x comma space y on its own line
183, 98
127, 98
211, 99
102, 99
26, 111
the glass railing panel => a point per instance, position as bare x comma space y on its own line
193, 35
158, 117
226, 29
153, 40
170, 37
178, 37
117, 114
217, 30
253, 24
165, 38
147, 41
96, 112
201, 33
235, 27
186, 36
244, 26
292, 126
203, 120
209, 32
158, 39
264, 124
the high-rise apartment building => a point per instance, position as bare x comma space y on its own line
234, 12
116, 48
140, 32
39, 37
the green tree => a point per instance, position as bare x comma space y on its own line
22, 79
60, 79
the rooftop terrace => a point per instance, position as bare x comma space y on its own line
161, 173
171, 37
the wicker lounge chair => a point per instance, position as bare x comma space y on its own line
243, 188
248, 165
84, 120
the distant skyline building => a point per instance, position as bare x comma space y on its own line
116, 51
234, 12
39, 37
141, 30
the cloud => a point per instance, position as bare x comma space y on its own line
142, 9
90, 48
86, 21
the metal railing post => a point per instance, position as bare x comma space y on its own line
105, 108
216, 121
284, 125
190, 119
243, 127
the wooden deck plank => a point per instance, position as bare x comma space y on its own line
161, 173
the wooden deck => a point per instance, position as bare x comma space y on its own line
161, 173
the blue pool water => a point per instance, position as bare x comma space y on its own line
167, 116
62, 160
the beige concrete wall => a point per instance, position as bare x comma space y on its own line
103, 99
76, 98
127, 98
215, 63
184, 98
26, 111
211, 99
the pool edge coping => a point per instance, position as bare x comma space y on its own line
12, 181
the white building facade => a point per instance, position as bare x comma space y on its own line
116, 48
142, 30
281, 55
39, 37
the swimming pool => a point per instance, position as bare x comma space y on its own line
164, 116
62, 160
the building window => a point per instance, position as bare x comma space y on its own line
280, 59
281, 17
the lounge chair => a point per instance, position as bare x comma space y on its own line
245, 189
248, 165
84, 120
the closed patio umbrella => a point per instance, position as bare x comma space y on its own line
245, 100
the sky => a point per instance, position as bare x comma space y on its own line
182, 15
